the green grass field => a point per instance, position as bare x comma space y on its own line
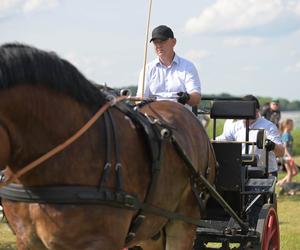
289, 223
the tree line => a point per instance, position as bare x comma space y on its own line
285, 105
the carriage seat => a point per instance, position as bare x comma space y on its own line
237, 109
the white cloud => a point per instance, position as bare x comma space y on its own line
35, 5
236, 15
293, 68
250, 68
294, 6
293, 52
7, 7
196, 55
88, 65
243, 41
11, 7
83, 63
297, 9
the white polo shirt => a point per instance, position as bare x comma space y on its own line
237, 132
163, 82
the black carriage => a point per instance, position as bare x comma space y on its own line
245, 216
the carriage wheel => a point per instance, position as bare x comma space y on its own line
268, 227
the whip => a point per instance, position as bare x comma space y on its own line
146, 47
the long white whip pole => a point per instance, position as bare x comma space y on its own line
146, 47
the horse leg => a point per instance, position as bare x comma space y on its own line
181, 235
17, 215
156, 243
21, 245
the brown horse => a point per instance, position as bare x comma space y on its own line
43, 101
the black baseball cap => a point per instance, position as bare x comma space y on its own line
162, 32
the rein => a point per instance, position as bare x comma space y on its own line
65, 144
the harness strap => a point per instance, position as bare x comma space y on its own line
155, 140
138, 220
107, 166
87, 195
119, 180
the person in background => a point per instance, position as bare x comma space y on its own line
286, 127
169, 77
272, 113
236, 131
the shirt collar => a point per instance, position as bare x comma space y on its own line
175, 60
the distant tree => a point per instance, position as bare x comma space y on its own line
284, 103
294, 105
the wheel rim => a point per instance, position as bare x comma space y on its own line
271, 239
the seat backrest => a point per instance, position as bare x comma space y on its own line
233, 109
230, 172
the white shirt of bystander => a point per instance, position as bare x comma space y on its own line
237, 132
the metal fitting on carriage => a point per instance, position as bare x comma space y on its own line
125, 92
165, 133
130, 201
112, 99
119, 184
107, 165
152, 120
105, 174
227, 231
2, 176
118, 166
130, 121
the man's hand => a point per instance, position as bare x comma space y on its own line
269, 145
183, 97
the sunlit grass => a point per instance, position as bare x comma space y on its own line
7, 239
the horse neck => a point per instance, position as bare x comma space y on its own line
38, 120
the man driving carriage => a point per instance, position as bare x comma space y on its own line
236, 132
169, 76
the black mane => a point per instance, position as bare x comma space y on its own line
21, 64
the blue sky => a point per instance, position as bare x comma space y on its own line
238, 46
